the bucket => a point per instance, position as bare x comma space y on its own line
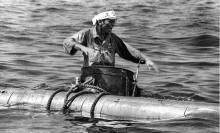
116, 81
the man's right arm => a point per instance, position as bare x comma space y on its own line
77, 42
69, 45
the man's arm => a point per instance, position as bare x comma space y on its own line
150, 64
129, 53
76, 42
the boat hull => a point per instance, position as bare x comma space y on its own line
111, 106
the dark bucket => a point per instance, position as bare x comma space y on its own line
116, 81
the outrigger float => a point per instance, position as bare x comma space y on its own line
84, 99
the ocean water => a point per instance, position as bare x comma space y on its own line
181, 36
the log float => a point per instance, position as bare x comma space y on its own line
112, 106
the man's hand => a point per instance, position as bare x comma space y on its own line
150, 64
87, 51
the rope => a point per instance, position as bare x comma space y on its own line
74, 89
95, 102
95, 87
52, 96
69, 102
67, 95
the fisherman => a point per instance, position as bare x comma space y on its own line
99, 44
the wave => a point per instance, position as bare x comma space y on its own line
27, 63
173, 85
2, 67
54, 9
191, 63
58, 27
181, 94
203, 8
126, 24
19, 54
87, 23
7, 85
4, 26
204, 40
31, 72
14, 38
197, 97
144, 8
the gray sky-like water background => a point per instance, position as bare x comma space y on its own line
181, 36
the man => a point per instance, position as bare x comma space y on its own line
99, 45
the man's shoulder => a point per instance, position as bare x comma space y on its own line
86, 30
114, 36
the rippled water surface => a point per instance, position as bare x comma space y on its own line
181, 36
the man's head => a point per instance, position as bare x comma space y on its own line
106, 18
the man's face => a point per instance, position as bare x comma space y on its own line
108, 25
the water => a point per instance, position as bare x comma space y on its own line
181, 36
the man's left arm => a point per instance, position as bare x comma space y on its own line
127, 52
138, 54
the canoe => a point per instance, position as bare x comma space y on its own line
112, 106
